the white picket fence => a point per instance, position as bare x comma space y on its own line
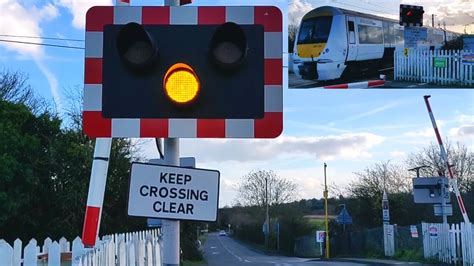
419, 66
127, 249
451, 244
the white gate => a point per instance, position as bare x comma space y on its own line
440, 67
449, 243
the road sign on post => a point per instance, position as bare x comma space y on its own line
414, 36
440, 211
385, 209
320, 235
136, 56
172, 192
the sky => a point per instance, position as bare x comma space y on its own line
457, 14
349, 130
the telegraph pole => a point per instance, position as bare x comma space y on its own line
267, 217
326, 212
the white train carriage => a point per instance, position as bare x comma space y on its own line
333, 42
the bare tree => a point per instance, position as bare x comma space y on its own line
337, 190
292, 30
379, 177
459, 156
73, 109
14, 88
251, 190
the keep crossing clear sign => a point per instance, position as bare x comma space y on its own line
172, 192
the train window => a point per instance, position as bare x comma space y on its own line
399, 36
370, 34
385, 33
391, 36
315, 30
351, 26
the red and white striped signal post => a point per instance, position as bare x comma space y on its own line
116, 105
444, 157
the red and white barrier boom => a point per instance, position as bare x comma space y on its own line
444, 157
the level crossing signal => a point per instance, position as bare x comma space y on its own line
411, 15
183, 72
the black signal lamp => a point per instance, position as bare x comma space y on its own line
228, 46
136, 47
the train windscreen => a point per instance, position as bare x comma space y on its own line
315, 30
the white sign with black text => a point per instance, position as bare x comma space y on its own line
172, 192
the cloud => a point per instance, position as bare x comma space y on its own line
397, 154
327, 148
371, 112
428, 132
53, 84
462, 131
26, 20
297, 9
48, 12
17, 19
78, 9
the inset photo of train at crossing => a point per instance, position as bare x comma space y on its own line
337, 44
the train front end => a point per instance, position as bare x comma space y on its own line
321, 45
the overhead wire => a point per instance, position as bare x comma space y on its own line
41, 37
44, 44
365, 8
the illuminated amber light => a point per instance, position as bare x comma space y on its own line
181, 84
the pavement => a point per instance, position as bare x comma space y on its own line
224, 250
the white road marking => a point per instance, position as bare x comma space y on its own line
215, 253
232, 253
213, 247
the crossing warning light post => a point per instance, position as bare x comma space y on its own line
411, 16
140, 84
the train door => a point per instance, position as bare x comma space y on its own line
351, 39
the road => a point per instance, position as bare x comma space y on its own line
224, 250
297, 83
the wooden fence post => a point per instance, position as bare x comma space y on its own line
54, 254
17, 246
30, 257
6, 253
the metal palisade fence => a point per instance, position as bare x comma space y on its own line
438, 67
452, 244
137, 248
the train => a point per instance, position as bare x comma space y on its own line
333, 43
